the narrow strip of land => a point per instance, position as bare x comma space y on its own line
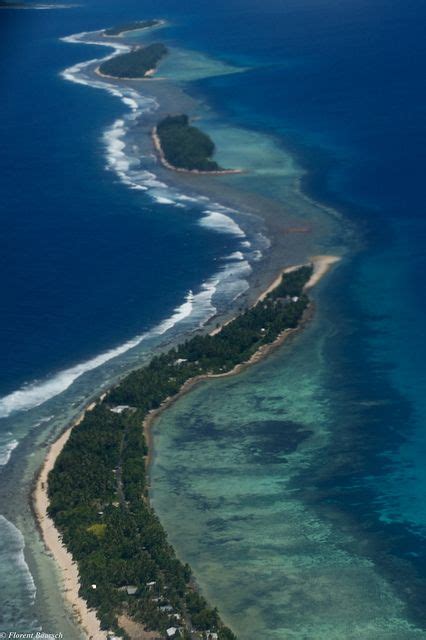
87, 618
139, 25
140, 62
93, 486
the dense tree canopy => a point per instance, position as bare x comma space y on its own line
185, 146
134, 64
98, 489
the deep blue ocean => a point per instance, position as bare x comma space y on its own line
87, 264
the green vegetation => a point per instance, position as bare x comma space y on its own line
134, 64
131, 26
98, 487
185, 146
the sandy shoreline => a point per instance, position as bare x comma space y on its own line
148, 74
86, 618
51, 537
122, 34
260, 354
321, 264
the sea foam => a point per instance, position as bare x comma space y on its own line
227, 284
17, 587
37, 393
196, 309
236, 255
122, 156
221, 223
6, 451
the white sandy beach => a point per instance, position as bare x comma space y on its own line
321, 265
85, 617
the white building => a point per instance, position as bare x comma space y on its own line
130, 589
120, 408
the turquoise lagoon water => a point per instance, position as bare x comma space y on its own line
296, 490
258, 482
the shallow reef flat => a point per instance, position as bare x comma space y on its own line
231, 483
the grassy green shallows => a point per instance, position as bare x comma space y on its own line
185, 146
98, 487
134, 64
131, 26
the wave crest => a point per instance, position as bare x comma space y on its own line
226, 285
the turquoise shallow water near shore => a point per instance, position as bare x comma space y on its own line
303, 480
234, 480
33, 414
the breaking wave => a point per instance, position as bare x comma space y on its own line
194, 312
221, 223
223, 287
6, 452
17, 588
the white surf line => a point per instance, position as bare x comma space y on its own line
37, 393
126, 166
232, 277
15, 555
6, 451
